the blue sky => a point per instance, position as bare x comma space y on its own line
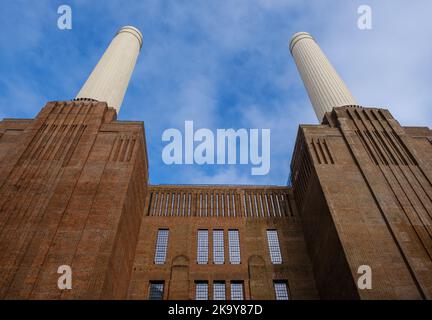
222, 64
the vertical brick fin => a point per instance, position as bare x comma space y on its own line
124, 149
157, 203
257, 203
301, 169
386, 151
404, 148
66, 141
372, 156
75, 140
265, 205
44, 144
328, 152
395, 140
289, 210
381, 142
151, 206
49, 154
131, 149
321, 151
166, 204
375, 146
281, 207
160, 203
38, 136
272, 205
236, 213
260, 205
115, 149
315, 152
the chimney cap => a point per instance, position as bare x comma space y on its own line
297, 37
134, 31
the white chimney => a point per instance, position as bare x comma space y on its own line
109, 79
325, 88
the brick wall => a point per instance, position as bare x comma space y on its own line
371, 181
72, 189
181, 270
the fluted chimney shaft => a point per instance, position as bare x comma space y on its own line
109, 80
324, 86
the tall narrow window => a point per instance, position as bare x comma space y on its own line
156, 290
274, 249
237, 290
161, 246
218, 246
281, 290
234, 246
219, 290
202, 256
201, 290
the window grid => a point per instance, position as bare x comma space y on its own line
234, 246
281, 290
219, 290
201, 291
218, 247
156, 290
161, 246
274, 248
202, 256
237, 291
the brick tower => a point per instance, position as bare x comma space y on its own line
362, 185
72, 188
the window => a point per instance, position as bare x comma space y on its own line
234, 246
161, 246
273, 244
219, 290
218, 246
202, 257
281, 290
201, 290
156, 290
237, 290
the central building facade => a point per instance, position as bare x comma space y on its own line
232, 241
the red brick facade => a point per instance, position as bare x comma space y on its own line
73, 183
74, 191
362, 185
250, 210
